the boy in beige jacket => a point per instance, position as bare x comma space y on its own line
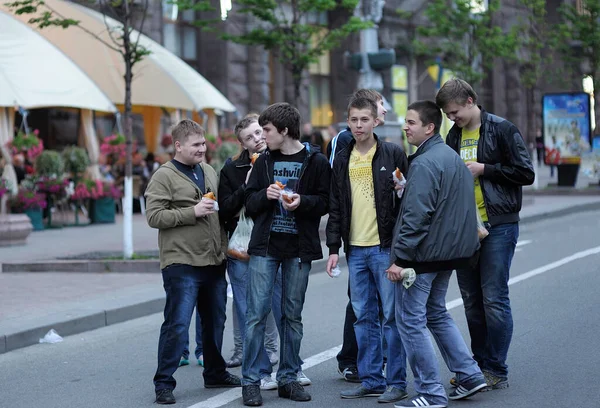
192, 258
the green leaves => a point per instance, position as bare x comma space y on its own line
463, 37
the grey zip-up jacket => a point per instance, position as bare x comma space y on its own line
437, 227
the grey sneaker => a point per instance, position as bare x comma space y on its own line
235, 360
392, 394
467, 388
494, 382
361, 392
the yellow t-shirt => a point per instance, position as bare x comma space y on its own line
468, 152
363, 225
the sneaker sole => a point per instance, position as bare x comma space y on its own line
268, 387
305, 383
361, 396
501, 386
387, 401
466, 393
222, 386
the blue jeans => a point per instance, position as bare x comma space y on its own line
198, 351
187, 287
238, 277
368, 283
418, 308
485, 295
262, 273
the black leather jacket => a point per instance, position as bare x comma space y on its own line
387, 157
507, 166
232, 187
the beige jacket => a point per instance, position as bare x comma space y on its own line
183, 238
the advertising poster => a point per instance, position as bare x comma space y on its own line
567, 127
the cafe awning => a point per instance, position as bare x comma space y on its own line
161, 79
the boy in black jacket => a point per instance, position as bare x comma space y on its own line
496, 155
362, 211
286, 234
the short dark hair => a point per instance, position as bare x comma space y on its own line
243, 124
185, 129
428, 112
455, 90
363, 103
282, 115
368, 94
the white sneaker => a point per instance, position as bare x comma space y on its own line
303, 379
267, 383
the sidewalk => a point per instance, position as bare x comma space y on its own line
33, 303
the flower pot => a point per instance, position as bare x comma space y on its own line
36, 217
102, 211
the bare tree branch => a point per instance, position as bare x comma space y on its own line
141, 28
84, 29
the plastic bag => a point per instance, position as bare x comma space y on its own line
335, 272
400, 181
482, 231
286, 195
51, 337
215, 203
238, 244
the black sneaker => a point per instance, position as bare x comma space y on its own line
350, 374
467, 388
165, 397
293, 391
229, 381
251, 395
418, 401
361, 392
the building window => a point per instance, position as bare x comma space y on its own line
180, 36
321, 113
400, 90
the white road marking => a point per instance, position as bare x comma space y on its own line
522, 243
235, 393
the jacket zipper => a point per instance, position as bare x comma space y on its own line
304, 166
480, 178
375, 193
273, 214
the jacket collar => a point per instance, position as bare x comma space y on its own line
426, 145
455, 131
353, 142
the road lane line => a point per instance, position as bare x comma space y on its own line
228, 396
524, 242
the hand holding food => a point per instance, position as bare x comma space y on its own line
212, 199
280, 184
399, 182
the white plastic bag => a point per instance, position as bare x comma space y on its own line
482, 232
400, 181
51, 337
238, 244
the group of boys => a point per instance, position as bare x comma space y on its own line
389, 230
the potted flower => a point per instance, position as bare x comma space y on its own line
101, 196
49, 167
114, 146
27, 143
28, 201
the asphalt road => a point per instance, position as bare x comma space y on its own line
554, 359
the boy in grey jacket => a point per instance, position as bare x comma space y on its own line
435, 233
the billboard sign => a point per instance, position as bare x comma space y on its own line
567, 127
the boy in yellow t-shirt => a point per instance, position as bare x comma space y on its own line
363, 207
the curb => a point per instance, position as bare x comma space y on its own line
27, 332
138, 266
578, 208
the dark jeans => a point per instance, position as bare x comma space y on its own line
185, 287
346, 358
485, 295
198, 350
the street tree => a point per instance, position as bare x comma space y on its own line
463, 36
291, 28
536, 50
579, 41
130, 16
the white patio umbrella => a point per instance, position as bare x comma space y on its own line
34, 74
161, 79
